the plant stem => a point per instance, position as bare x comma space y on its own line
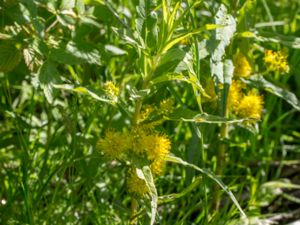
133, 209
220, 162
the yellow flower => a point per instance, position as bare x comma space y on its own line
145, 113
250, 106
135, 185
184, 41
242, 67
153, 146
111, 90
234, 95
114, 144
166, 106
157, 166
277, 61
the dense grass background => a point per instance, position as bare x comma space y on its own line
55, 57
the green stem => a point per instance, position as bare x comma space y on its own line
220, 162
133, 210
149, 69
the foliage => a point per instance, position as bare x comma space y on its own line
149, 111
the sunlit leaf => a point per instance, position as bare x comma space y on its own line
260, 82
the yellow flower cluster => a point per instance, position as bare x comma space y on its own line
146, 112
111, 90
235, 94
248, 105
277, 61
114, 144
139, 143
251, 106
136, 146
242, 67
166, 106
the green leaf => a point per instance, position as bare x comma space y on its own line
222, 38
146, 175
260, 82
171, 197
146, 23
10, 56
48, 75
176, 40
281, 184
289, 41
174, 159
114, 50
83, 90
67, 4
245, 18
187, 115
169, 61
128, 37
76, 53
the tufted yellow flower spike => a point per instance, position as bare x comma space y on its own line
242, 67
111, 90
114, 144
235, 94
157, 166
250, 106
277, 61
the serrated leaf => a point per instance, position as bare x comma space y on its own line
76, 53
48, 75
260, 82
174, 159
10, 56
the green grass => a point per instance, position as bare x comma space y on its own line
56, 56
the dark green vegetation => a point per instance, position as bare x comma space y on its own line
57, 56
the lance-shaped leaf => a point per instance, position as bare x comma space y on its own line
146, 175
222, 38
85, 91
260, 82
174, 196
289, 41
178, 160
187, 115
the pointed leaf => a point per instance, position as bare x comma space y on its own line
178, 160
223, 36
187, 115
260, 82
